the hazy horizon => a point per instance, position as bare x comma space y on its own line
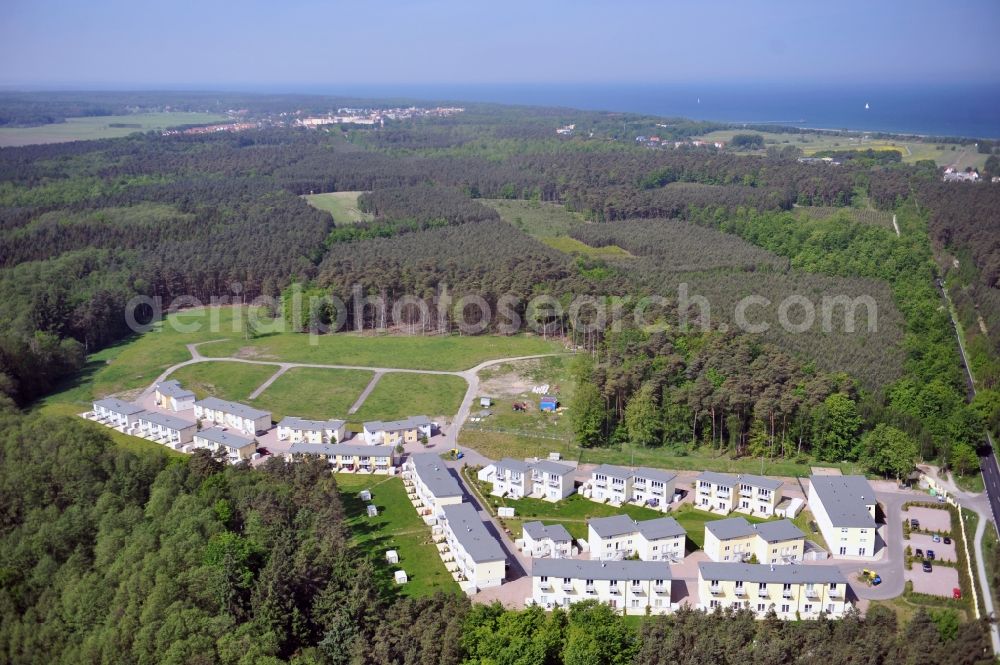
111, 44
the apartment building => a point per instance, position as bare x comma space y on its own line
300, 430
480, 559
844, 508
619, 537
745, 493
512, 478
347, 457
546, 540
653, 487
113, 412
550, 480
637, 587
170, 395
541, 479
163, 428
396, 432
618, 485
246, 419
793, 592
430, 485
235, 448
612, 484
736, 539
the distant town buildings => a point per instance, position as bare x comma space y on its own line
953, 175
371, 117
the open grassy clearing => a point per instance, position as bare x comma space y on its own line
100, 127
913, 151
401, 394
568, 245
551, 223
397, 527
439, 352
315, 393
343, 206
232, 381
134, 363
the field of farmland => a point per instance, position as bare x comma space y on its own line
101, 127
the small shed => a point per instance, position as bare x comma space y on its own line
548, 403
486, 473
372, 510
400, 577
392, 556
486, 401
365, 495
505, 511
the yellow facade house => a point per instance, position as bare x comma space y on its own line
793, 592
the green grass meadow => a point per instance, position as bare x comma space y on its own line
232, 381
397, 527
400, 394
343, 206
310, 392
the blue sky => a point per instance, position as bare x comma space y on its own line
206, 43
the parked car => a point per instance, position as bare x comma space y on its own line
914, 523
876, 580
936, 538
927, 567
919, 553
947, 540
263, 452
940, 498
930, 554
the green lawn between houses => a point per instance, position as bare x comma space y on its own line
397, 527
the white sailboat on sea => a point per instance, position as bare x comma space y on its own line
866, 106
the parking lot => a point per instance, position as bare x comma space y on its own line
931, 519
939, 582
924, 542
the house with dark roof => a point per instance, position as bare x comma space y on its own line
541, 479
793, 592
348, 457
844, 508
736, 539
114, 412
170, 395
745, 493
300, 430
633, 587
619, 537
546, 540
246, 419
653, 488
481, 561
165, 429
233, 447
430, 485
396, 432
